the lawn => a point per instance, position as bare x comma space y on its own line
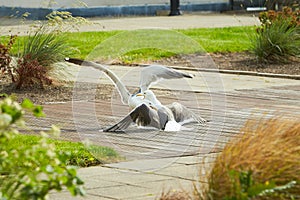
78, 153
212, 40
230, 39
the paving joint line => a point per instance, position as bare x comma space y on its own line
135, 170
237, 72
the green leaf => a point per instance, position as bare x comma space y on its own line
12, 111
38, 111
259, 188
27, 104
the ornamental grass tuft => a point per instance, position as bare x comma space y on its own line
264, 163
277, 40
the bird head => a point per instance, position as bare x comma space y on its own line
150, 96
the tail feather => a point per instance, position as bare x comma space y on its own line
74, 61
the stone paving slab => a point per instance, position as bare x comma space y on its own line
156, 22
114, 181
202, 82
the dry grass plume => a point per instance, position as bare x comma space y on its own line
269, 148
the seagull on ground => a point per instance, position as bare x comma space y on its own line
152, 113
147, 109
149, 75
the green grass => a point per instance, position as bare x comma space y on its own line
229, 39
78, 154
119, 44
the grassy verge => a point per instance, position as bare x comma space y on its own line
212, 40
228, 39
78, 154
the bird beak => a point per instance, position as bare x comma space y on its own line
140, 95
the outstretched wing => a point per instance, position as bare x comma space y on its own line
154, 73
184, 115
140, 114
124, 93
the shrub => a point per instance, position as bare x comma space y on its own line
278, 38
29, 72
41, 51
269, 17
5, 57
265, 161
277, 43
43, 47
30, 172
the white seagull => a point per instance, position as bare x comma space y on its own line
147, 109
152, 113
149, 75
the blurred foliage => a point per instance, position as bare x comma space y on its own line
31, 172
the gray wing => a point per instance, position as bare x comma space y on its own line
183, 115
154, 73
163, 118
140, 114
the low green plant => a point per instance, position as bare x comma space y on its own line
31, 172
45, 45
41, 50
243, 187
78, 154
278, 38
277, 43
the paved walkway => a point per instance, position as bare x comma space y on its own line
146, 175
156, 22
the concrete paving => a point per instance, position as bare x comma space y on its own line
148, 178
121, 181
201, 20
203, 81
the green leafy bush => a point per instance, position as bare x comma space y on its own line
243, 187
278, 38
31, 172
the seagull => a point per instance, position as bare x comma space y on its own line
147, 110
152, 113
181, 114
149, 75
